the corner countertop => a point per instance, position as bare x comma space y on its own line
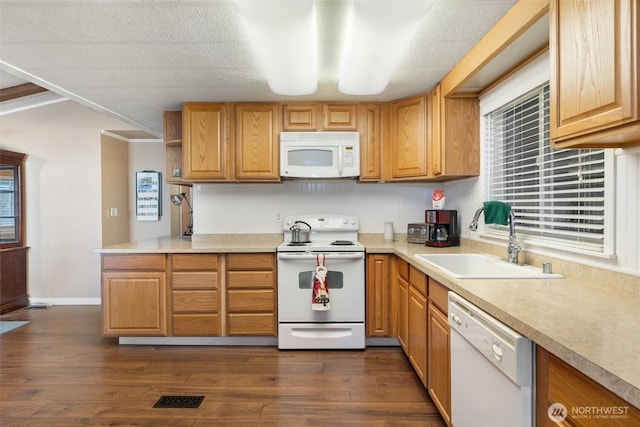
593, 325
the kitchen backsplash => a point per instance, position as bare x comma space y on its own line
252, 208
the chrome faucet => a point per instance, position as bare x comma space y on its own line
513, 249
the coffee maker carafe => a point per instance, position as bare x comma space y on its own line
442, 228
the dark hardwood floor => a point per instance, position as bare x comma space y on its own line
59, 371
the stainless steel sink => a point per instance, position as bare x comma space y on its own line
482, 266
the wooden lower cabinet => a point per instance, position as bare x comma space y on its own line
417, 329
13, 279
195, 295
251, 295
134, 295
402, 289
439, 349
379, 291
578, 400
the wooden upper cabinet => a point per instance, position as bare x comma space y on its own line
320, 117
299, 117
205, 144
256, 142
454, 135
408, 139
594, 73
340, 117
373, 125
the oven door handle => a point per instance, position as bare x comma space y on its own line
307, 256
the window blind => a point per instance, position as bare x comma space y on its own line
558, 196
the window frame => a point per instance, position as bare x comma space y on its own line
13, 159
515, 87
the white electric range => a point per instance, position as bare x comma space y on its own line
302, 322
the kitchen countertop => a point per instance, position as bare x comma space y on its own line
593, 325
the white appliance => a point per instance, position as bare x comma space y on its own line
319, 154
333, 237
491, 370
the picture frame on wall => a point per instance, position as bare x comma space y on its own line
148, 195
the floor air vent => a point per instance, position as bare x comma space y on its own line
179, 402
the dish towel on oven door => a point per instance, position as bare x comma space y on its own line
320, 297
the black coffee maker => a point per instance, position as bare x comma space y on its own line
442, 228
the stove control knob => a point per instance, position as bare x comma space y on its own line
288, 222
353, 221
345, 221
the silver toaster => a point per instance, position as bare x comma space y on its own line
417, 232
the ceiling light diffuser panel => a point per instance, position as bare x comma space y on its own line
282, 34
378, 34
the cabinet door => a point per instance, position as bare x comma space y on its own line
408, 138
593, 52
336, 117
205, 150
402, 289
256, 138
558, 382
439, 366
378, 293
134, 303
372, 126
454, 135
299, 117
417, 314
435, 133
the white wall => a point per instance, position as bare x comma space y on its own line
63, 202
252, 208
148, 156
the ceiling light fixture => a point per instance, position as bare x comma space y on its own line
282, 34
378, 34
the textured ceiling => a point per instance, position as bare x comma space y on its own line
136, 59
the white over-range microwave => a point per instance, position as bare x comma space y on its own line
319, 154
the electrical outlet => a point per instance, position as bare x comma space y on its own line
278, 217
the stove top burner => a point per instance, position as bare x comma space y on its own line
298, 243
342, 243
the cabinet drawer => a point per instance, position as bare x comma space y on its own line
418, 280
251, 324
195, 279
250, 279
198, 262
196, 324
251, 301
195, 301
438, 295
134, 262
250, 261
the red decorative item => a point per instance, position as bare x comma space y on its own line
320, 297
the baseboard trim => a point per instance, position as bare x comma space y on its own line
244, 341
43, 302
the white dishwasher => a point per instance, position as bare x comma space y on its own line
492, 369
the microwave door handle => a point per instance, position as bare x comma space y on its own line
340, 159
